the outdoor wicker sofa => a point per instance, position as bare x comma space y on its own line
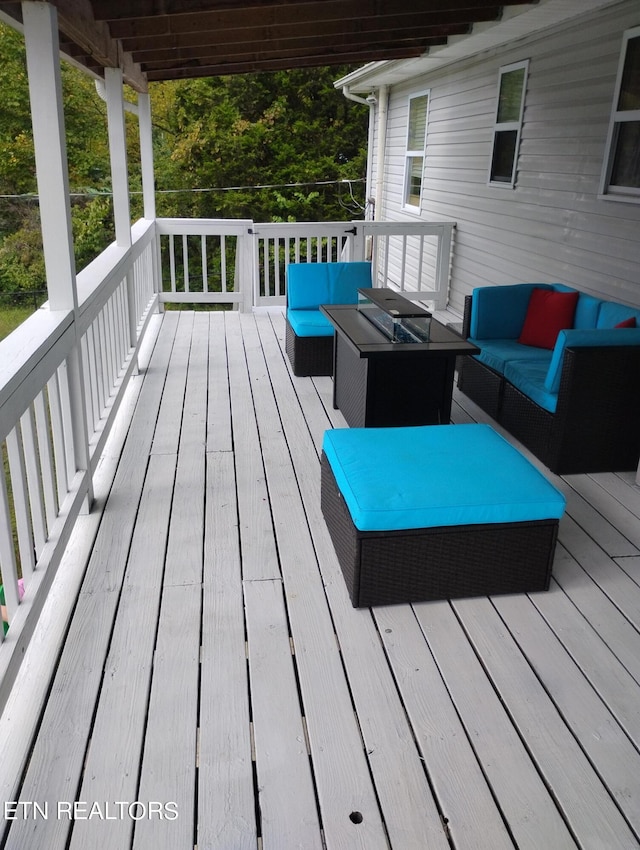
575, 403
309, 334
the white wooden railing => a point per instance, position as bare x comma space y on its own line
245, 263
63, 374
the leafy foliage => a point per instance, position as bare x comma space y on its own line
285, 131
265, 146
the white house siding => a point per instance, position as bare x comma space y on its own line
552, 226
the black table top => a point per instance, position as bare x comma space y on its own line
368, 341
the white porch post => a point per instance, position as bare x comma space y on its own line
47, 116
118, 155
146, 155
148, 179
120, 179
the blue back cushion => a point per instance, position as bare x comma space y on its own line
312, 284
587, 309
498, 311
345, 279
307, 285
574, 337
611, 313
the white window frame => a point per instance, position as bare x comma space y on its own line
411, 154
509, 126
618, 117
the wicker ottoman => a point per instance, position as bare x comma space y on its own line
436, 512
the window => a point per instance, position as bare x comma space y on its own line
416, 138
506, 132
621, 177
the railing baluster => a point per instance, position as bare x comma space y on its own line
104, 360
34, 482
267, 267
8, 567
107, 313
420, 261
203, 260
403, 263
223, 264
92, 357
172, 263
19, 490
67, 420
57, 433
43, 431
185, 263
277, 288
123, 323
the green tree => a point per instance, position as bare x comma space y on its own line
276, 129
291, 132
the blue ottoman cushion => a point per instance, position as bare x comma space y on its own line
437, 475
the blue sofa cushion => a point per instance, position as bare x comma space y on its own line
587, 310
529, 377
312, 284
498, 311
496, 353
436, 475
612, 313
309, 323
574, 338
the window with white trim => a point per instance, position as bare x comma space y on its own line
621, 175
416, 139
512, 85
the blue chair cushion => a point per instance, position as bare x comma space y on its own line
436, 475
496, 353
312, 284
309, 323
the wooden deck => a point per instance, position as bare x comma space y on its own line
217, 689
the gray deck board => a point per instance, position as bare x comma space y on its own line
214, 661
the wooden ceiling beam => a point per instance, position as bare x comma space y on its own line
420, 25
278, 64
152, 39
360, 39
292, 50
239, 17
107, 10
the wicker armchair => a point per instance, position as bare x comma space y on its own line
309, 335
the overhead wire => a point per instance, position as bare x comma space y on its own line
91, 193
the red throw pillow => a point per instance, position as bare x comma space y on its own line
548, 313
628, 323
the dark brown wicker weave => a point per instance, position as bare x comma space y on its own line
596, 426
309, 355
387, 567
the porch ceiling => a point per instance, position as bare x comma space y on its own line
174, 39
